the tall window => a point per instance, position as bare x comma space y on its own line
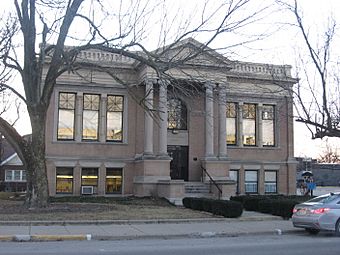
270, 181
114, 118
251, 181
90, 116
249, 124
114, 180
231, 123
268, 125
89, 177
66, 113
64, 179
177, 114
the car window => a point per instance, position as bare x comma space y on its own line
324, 199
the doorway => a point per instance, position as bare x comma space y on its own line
179, 162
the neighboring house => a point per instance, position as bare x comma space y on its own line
324, 174
12, 171
238, 126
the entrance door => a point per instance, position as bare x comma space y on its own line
179, 162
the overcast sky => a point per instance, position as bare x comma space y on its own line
280, 48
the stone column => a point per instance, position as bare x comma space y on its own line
222, 152
101, 180
209, 120
259, 136
240, 125
79, 116
77, 180
163, 114
148, 120
102, 119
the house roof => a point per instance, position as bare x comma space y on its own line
12, 160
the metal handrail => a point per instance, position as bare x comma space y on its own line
214, 182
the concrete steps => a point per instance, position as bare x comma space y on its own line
193, 189
197, 189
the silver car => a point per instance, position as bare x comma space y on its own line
320, 213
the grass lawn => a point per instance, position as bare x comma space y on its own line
94, 208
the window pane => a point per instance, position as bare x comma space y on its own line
90, 117
233, 174
23, 175
91, 102
231, 123
251, 182
115, 103
251, 176
66, 124
64, 177
67, 101
268, 130
89, 177
249, 124
66, 116
270, 176
177, 114
114, 118
270, 181
249, 132
114, 180
17, 175
9, 175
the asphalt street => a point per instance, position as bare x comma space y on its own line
297, 244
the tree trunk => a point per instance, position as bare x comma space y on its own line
37, 184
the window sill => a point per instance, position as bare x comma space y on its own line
89, 142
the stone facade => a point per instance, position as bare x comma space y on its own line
151, 159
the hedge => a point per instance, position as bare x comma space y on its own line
225, 208
278, 205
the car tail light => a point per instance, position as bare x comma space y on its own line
295, 210
320, 211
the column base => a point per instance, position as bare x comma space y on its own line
148, 173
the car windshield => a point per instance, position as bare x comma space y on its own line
323, 199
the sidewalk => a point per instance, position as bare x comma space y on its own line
250, 223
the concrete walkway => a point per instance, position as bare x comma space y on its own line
250, 223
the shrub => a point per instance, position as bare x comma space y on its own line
207, 204
266, 205
251, 203
283, 208
196, 204
187, 202
229, 209
239, 198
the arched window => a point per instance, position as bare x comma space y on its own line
177, 114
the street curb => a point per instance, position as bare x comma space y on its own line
42, 238
127, 222
88, 237
276, 232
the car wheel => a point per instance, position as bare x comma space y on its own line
312, 231
337, 228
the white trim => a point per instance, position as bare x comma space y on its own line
10, 158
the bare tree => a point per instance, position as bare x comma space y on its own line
317, 94
330, 155
121, 29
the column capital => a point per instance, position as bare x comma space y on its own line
222, 87
209, 85
150, 81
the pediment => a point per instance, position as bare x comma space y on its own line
12, 160
192, 53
